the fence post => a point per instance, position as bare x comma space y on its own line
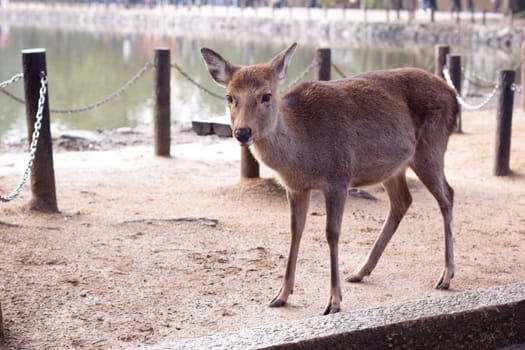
523, 76
454, 68
249, 165
440, 58
42, 172
504, 122
162, 110
324, 57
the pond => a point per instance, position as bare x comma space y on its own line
86, 67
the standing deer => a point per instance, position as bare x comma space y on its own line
352, 132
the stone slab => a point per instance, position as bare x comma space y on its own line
487, 319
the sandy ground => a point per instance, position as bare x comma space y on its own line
120, 266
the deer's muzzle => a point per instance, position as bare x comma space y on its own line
244, 136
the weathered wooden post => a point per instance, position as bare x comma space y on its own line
504, 122
42, 171
324, 57
454, 69
523, 76
440, 58
162, 109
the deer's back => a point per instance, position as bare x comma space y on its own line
387, 94
368, 126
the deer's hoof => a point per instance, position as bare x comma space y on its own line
277, 303
444, 280
442, 285
331, 310
353, 279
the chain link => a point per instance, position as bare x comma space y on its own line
111, 97
461, 101
340, 72
191, 80
13, 79
34, 141
516, 88
16, 98
6, 83
312, 65
471, 76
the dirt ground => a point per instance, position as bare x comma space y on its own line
148, 249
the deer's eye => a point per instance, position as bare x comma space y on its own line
266, 97
229, 98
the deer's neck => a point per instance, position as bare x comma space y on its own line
279, 149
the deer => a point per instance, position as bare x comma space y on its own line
329, 136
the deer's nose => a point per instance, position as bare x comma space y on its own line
243, 135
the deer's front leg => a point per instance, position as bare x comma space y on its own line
335, 203
299, 208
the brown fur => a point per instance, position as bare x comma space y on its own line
328, 135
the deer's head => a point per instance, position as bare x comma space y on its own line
251, 92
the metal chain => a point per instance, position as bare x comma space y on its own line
461, 101
430, 66
315, 63
16, 98
340, 72
6, 83
117, 93
516, 88
490, 83
13, 79
34, 141
191, 80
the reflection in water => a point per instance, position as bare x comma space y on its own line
86, 67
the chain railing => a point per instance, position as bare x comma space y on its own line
516, 88
89, 107
460, 99
474, 79
34, 141
339, 71
300, 77
109, 98
194, 82
10, 81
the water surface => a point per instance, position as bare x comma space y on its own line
85, 67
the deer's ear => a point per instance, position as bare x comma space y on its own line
220, 69
280, 62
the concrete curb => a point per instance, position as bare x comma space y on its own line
488, 319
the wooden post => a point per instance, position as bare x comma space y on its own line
162, 109
504, 122
249, 165
324, 57
523, 76
454, 69
440, 58
42, 171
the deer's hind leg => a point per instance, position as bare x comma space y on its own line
429, 167
400, 200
